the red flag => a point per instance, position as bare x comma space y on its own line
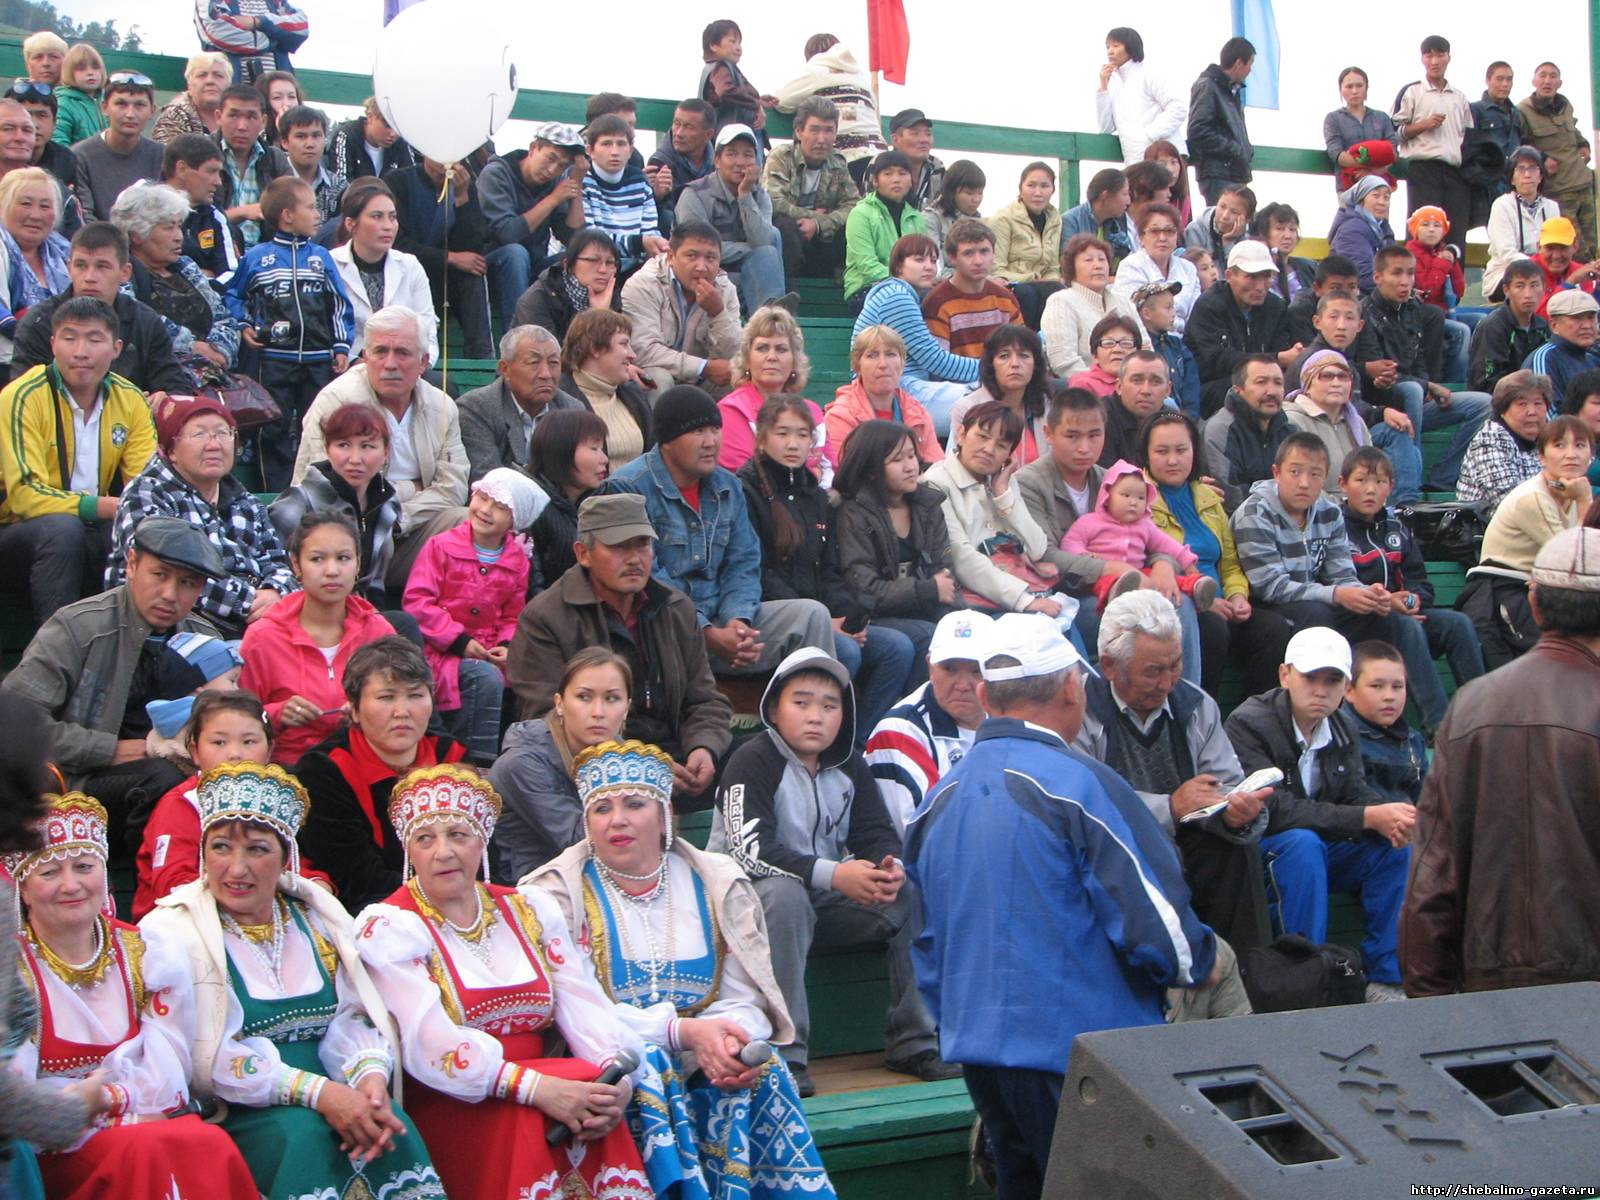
888, 39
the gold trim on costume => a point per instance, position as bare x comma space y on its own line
77, 977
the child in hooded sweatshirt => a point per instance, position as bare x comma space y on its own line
1120, 530
1440, 281
800, 812
466, 591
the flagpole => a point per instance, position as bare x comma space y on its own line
878, 107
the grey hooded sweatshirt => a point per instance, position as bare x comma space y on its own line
775, 818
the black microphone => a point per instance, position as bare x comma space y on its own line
625, 1061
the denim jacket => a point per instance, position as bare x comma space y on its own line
712, 556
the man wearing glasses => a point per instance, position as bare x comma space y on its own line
120, 155
73, 437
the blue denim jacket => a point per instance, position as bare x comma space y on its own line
712, 556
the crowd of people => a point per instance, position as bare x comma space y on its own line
395, 745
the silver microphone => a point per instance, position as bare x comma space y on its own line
755, 1053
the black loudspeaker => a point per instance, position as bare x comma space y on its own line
1369, 1100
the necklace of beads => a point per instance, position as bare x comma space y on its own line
475, 935
661, 956
265, 941
78, 975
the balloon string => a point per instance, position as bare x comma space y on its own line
444, 324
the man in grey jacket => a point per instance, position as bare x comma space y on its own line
527, 198
1165, 737
498, 419
732, 201
95, 664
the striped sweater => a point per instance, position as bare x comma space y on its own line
893, 302
1284, 562
962, 323
625, 209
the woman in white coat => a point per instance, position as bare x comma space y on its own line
375, 274
1132, 103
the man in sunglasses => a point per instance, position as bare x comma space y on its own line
39, 100
120, 155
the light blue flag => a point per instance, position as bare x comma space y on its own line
1253, 19
393, 8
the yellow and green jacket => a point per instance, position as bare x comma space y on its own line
36, 444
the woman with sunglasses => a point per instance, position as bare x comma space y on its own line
585, 279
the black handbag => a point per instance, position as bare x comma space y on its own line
1449, 532
1295, 973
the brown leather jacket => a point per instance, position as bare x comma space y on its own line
1505, 875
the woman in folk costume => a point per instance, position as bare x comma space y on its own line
95, 980
678, 940
479, 978
282, 1023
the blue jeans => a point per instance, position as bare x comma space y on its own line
938, 396
476, 723
511, 270
880, 670
1453, 635
1467, 411
1301, 867
1087, 627
1456, 336
1405, 456
1422, 677
759, 275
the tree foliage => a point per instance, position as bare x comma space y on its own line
36, 15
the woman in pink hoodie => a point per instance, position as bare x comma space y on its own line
294, 656
1120, 530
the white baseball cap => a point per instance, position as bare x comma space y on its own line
1251, 257
960, 636
732, 133
1318, 649
1034, 640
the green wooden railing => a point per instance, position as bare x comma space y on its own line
1069, 149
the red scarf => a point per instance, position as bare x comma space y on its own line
362, 768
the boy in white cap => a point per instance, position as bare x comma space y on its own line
921, 738
1053, 903
1328, 827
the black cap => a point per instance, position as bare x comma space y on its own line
682, 409
908, 116
175, 541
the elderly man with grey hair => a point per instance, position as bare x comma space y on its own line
498, 419
1165, 737
428, 465
203, 332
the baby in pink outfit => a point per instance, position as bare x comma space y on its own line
1120, 530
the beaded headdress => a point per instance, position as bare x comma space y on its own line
444, 792
613, 769
265, 795
73, 824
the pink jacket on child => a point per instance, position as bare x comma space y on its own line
1098, 534
455, 597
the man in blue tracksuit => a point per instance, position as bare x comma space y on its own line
1053, 903
289, 297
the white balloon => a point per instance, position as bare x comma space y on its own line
443, 76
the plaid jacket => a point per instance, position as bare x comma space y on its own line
237, 525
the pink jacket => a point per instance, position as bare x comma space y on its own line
455, 597
1098, 534
281, 660
1097, 380
851, 407
740, 408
